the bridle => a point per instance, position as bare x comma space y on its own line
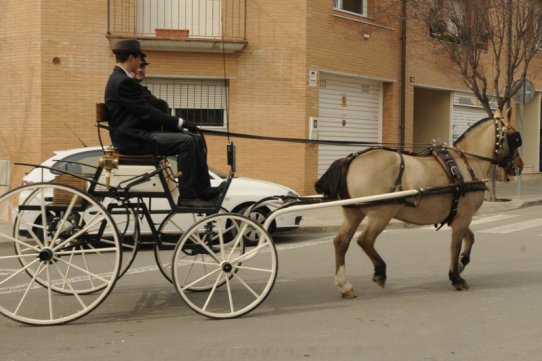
503, 131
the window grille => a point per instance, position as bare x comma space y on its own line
199, 100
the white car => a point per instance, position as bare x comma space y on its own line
242, 193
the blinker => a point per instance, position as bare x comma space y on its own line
514, 140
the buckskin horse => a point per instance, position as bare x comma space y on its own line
454, 191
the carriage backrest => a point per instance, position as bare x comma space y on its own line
101, 113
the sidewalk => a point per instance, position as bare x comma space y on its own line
329, 219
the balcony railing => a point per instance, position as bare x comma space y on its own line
182, 20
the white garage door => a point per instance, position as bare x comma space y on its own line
466, 112
350, 110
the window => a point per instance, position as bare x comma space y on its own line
352, 6
201, 17
199, 100
79, 163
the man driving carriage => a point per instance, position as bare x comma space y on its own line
139, 128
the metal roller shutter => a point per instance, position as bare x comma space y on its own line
350, 109
466, 112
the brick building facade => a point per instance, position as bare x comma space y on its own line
289, 65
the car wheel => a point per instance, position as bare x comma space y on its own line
259, 215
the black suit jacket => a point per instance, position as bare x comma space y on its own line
130, 113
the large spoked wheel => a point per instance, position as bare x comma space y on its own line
126, 219
231, 280
171, 231
61, 257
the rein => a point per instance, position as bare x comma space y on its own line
304, 141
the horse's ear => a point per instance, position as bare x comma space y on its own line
497, 114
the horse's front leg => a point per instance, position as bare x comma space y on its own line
352, 219
453, 274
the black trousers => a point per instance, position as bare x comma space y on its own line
191, 160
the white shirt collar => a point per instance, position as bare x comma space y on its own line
126, 71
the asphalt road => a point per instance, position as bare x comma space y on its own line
418, 316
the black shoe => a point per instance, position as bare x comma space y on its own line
195, 203
212, 192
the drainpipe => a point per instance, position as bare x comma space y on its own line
403, 71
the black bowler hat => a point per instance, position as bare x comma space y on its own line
129, 46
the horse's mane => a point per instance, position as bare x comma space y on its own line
470, 129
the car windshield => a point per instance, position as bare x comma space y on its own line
85, 163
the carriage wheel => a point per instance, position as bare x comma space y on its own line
171, 231
61, 257
232, 281
127, 222
259, 214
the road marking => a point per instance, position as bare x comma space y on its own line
514, 227
489, 219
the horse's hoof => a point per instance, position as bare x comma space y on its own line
381, 281
349, 294
461, 286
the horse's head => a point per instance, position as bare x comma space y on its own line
508, 141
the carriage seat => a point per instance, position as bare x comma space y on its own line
101, 117
145, 163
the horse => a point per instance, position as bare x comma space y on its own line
377, 171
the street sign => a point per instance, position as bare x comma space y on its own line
525, 92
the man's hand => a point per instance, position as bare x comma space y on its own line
191, 126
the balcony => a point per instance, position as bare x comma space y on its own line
179, 25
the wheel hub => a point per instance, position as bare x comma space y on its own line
227, 267
45, 255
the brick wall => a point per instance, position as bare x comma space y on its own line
57, 59
20, 93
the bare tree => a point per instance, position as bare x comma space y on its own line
491, 42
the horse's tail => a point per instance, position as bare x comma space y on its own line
332, 184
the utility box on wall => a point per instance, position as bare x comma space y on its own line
4, 185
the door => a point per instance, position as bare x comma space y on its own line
350, 110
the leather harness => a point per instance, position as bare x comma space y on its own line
458, 186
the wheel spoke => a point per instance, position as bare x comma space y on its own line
201, 279
92, 250
254, 269
75, 293
64, 218
80, 232
238, 240
23, 297
254, 293
230, 297
19, 271
44, 220
249, 255
90, 274
17, 241
29, 227
212, 292
49, 294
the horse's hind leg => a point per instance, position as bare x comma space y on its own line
367, 241
464, 258
351, 220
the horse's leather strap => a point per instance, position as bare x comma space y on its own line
445, 159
